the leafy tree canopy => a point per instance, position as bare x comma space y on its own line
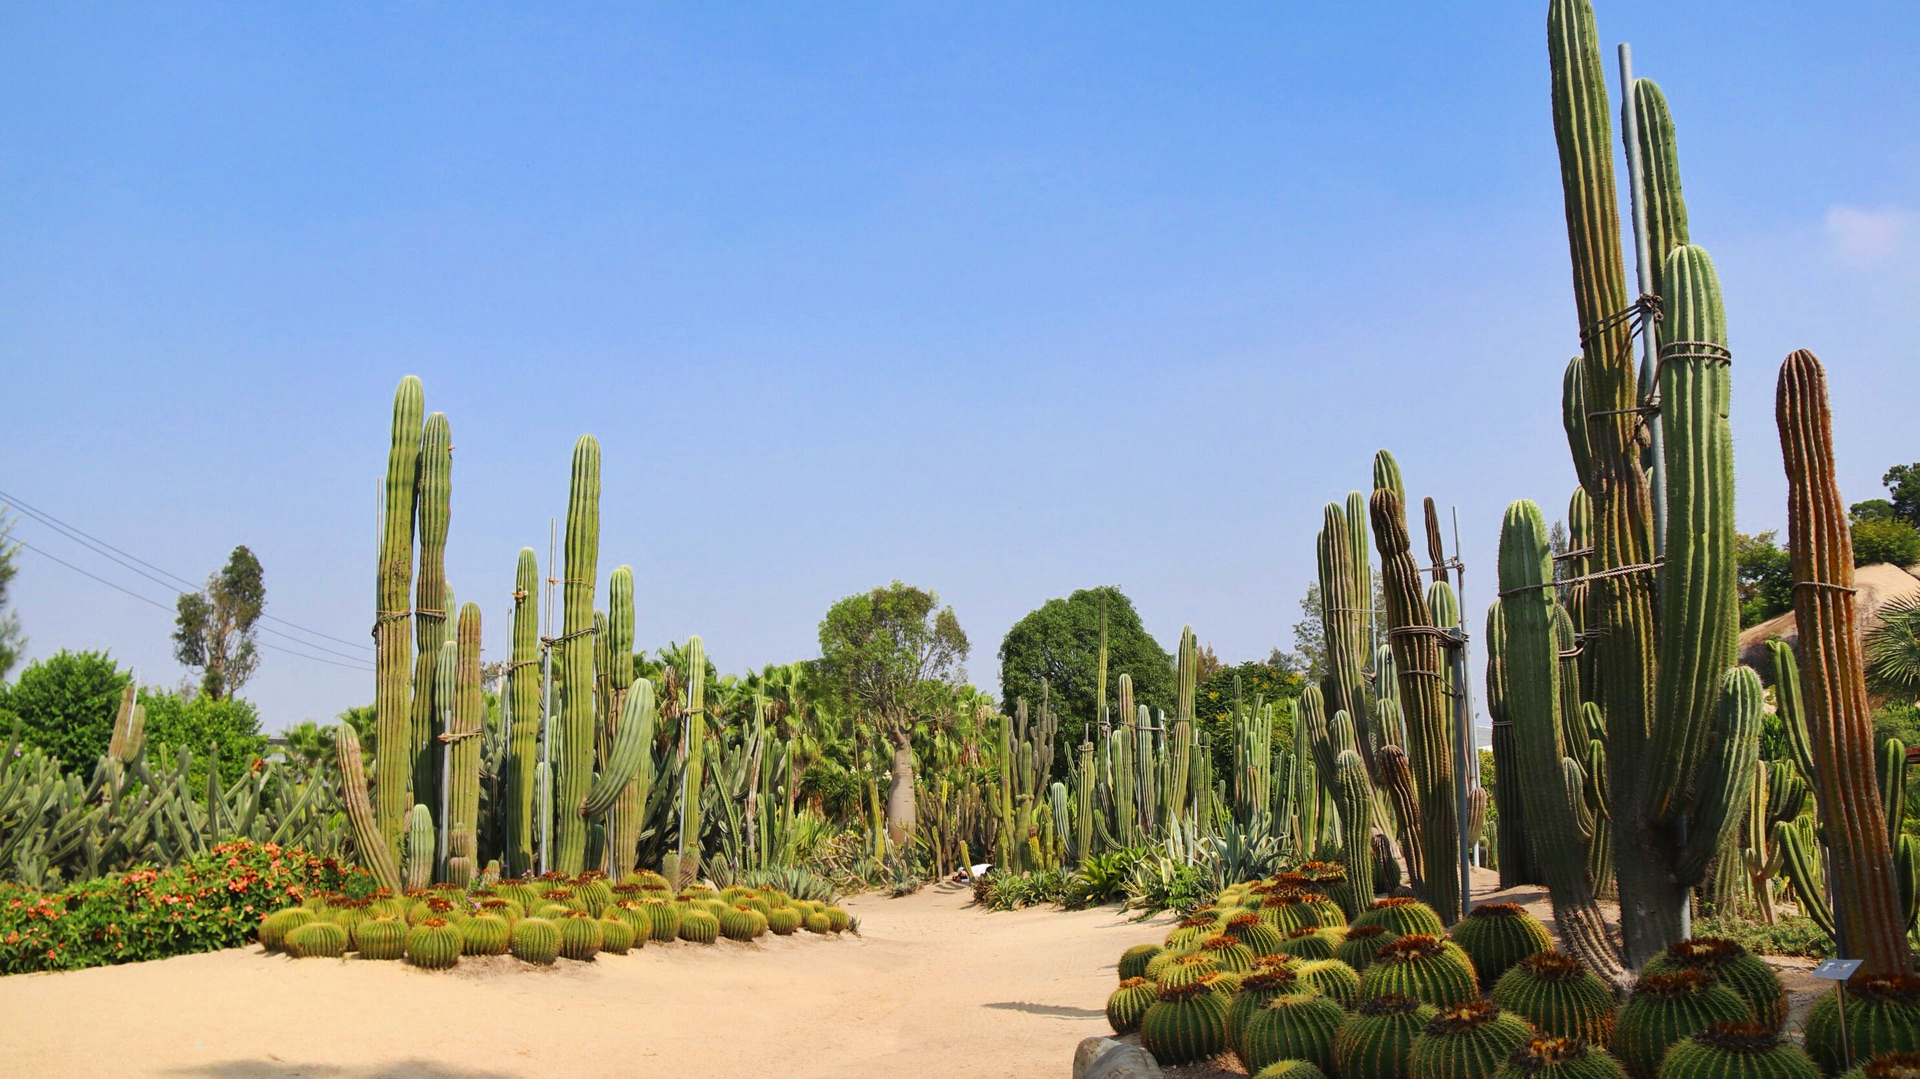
214, 628
892, 655
1888, 540
12, 641
1903, 483
1060, 642
66, 703
1765, 577
200, 723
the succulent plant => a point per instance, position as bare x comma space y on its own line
580, 935
1888, 1066
1746, 1050
1334, 978
1127, 1005
1290, 1069
1376, 1041
1665, 1008
700, 927
594, 895
434, 944
1559, 996
485, 934
616, 935
663, 918
1734, 967
783, 921
1467, 1041
816, 922
1882, 1016
1402, 915
535, 940
1362, 942
316, 940
1308, 943
1252, 994
275, 927
1133, 961
1498, 935
1191, 930
742, 923
1298, 1025
1259, 936
381, 938
1289, 910
1560, 1058
1427, 968
1185, 969
1228, 953
1185, 1023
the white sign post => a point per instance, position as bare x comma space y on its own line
1838, 971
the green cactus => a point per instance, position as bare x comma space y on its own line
1665, 1008
574, 761
1228, 953
1128, 1004
1498, 935
1298, 1025
432, 609
1185, 1023
1376, 1041
1882, 1016
1560, 1058
1290, 1069
536, 941
316, 940
1362, 943
1308, 943
701, 927
1467, 1041
420, 840
1356, 823
1559, 996
815, 922
484, 934
1403, 916
463, 745
784, 921
633, 744
1332, 977
1259, 937
1748, 975
616, 936
663, 919
1183, 969
580, 935
1428, 968
1793, 715
392, 644
1256, 989
1888, 1066
434, 944
381, 938
742, 923
523, 701
1797, 862
1346, 602
1751, 1051
1513, 852
838, 919
274, 927
695, 741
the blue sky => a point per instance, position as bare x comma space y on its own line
1002, 300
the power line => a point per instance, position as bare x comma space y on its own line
151, 602
96, 544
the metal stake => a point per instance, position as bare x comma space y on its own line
546, 700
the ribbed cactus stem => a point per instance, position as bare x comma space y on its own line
1356, 825
1663, 210
694, 770
626, 818
392, 641
523, 695
631, 744
1514, 851
1726, 773
1839, 719
374, 854
1793, 713
1345, 606
420, 847
464, 737
574, 763
432, 607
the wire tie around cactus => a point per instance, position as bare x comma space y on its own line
1617, 571
1418, 631
1849, 589
1580, 552
515, 665
456, 736
565, 637
1640, 312
382, 617
434, 611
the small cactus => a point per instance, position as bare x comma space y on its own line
1498, 935
316, 940
815, 922
1254, 991
535, 940
700, 927
381, 938
1560, 1058
1427, 968
1128, 1004
783, 921
1260, 937
1467, 1041
1185, 1023
1228, 954
1293, 1026
1376, 1041
1747, 1050
1665, 1008
434, 944
1334, 978
485, 934
1559, 996
580, 936
663, 918
616, 936
742, 923
1734, 967
1883, 1016
275, 927
1307, 943
1133, 961
1403, 915
1888, 1066
1290, 1069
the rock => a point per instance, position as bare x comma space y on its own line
1105, 1058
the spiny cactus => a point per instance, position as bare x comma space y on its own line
1356, 823
1299, 1025
1402, 915
420, 847
1747, 1050
1128, 1004
1665, 1008
784, 921
580, 935
1332, 977
523, 703
1560, 1058
392, 643
1133, 961
616, 936
1559, 996
535, 940
1227, 953
1183, 969
484, 934
742, 923
1290, 1069
1467, 1041
695, 741
1498, 935
1376, 1041
462, 741
434, 944
1748, 975
838, 919
700, 927
1255, 990
1888, 1066
1307, 943
1260, 937
381, 938
316, 940
1185, 1023
574, 762
1882, 1016
1362, 943
274, 927
1427, 968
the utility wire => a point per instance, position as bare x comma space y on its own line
110, 551
156, 603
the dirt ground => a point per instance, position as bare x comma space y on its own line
929, 980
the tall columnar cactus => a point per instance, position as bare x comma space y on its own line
627, 817
393, 646
1872, 923
375, 854
1356, 824
1418, 659
432, 606
1180, 740
574, 762
420, 845
523, 700
463, 748
694, 770
1346, 608
1515, 853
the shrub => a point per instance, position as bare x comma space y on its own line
66, 704
1011, 891
203, 904
1794, 935
175, 723
1885, 540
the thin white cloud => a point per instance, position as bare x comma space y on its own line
1863, 237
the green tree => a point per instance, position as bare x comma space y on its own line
1257, 682
1765, 577
199, 724
65, 704
892, 655
1060, 642
1903, 483
12, 640
1889, 540
1310, 635
1893, 650
308, 743
214, 628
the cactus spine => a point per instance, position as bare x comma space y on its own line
1871, 920
523, 693
393, 646
574, 762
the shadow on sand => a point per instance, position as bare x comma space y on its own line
294, 1069
1057, 1011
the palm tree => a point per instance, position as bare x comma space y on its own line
1893, 650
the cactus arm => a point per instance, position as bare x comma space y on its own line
523, 693
1893, 785
1573, 418
1665, 212
1797, 863
392, 641
633, 740
1345, 604
1356, 824
692, 782
1793, 713
1726, 775
464, 736
432, 611
374, 852
574, 766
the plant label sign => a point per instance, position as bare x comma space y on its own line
1835, 970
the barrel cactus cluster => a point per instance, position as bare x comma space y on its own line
537, 920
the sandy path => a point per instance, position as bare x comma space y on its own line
929, 980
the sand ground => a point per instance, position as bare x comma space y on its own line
931, 987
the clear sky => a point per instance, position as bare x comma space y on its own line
1002, 300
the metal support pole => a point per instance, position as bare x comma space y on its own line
1463, 728
545, 808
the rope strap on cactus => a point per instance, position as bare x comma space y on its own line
1618, 571
1641, 313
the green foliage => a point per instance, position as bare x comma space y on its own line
12, 640
1100, 879
887, 652
201, 722
203, 904
1059, 641
1765, 580
1887, 540
214, 628
1213, 706
1001, 890
1903, 484
66, 703
1893, 650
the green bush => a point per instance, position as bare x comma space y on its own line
1101, 879
203, 904
66, 704
1011, 891
176, 723
1789, 936
1885, 540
